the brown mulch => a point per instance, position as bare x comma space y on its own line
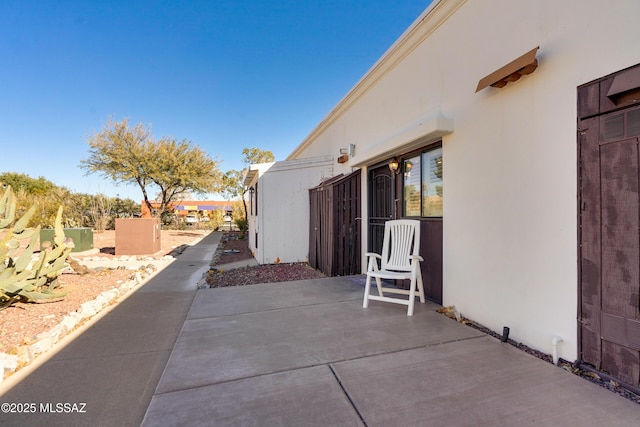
232, 248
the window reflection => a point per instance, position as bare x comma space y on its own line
411, 168
423, 184
432, 183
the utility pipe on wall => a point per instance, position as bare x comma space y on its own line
555, 341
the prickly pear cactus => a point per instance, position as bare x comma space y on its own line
23, 278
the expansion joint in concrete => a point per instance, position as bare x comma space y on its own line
346, 393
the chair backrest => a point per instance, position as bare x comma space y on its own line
401, 240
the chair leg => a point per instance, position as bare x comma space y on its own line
412, 296
367, 289
421, 288
379, 284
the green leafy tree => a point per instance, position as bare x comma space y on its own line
255, 155
125, 208
233, 187
21, 181
45, 197
128, 154
232, 181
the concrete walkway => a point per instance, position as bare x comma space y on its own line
111, 370
298, 354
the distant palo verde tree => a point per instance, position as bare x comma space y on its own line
129, 155
232, 184
252, 156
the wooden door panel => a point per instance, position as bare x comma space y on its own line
590, 272
621, 362
620, 249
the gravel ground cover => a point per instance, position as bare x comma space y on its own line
232, 248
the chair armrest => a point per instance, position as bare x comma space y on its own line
372, 254
418, 257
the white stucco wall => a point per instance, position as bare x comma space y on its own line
282, 220
252, 177
510, 218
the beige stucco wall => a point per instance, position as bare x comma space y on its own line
510, 218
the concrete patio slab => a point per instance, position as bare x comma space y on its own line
255, 298
231, 347
477, 382
303, 397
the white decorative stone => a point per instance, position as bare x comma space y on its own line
40, 346
22, 353
69, 323
8, 362
101, 301
87, 309
57, 332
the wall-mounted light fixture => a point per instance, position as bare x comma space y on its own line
346, 153
349, 151
393, 165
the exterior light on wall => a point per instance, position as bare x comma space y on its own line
349, 151
346, 153
393, 165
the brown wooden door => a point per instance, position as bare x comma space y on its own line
609, 221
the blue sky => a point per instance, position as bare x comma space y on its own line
224, 74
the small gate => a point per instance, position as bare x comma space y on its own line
334, 232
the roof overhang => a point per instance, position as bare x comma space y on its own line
523, 65
254, 171
428, 129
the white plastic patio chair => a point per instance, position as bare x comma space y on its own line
399, 260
